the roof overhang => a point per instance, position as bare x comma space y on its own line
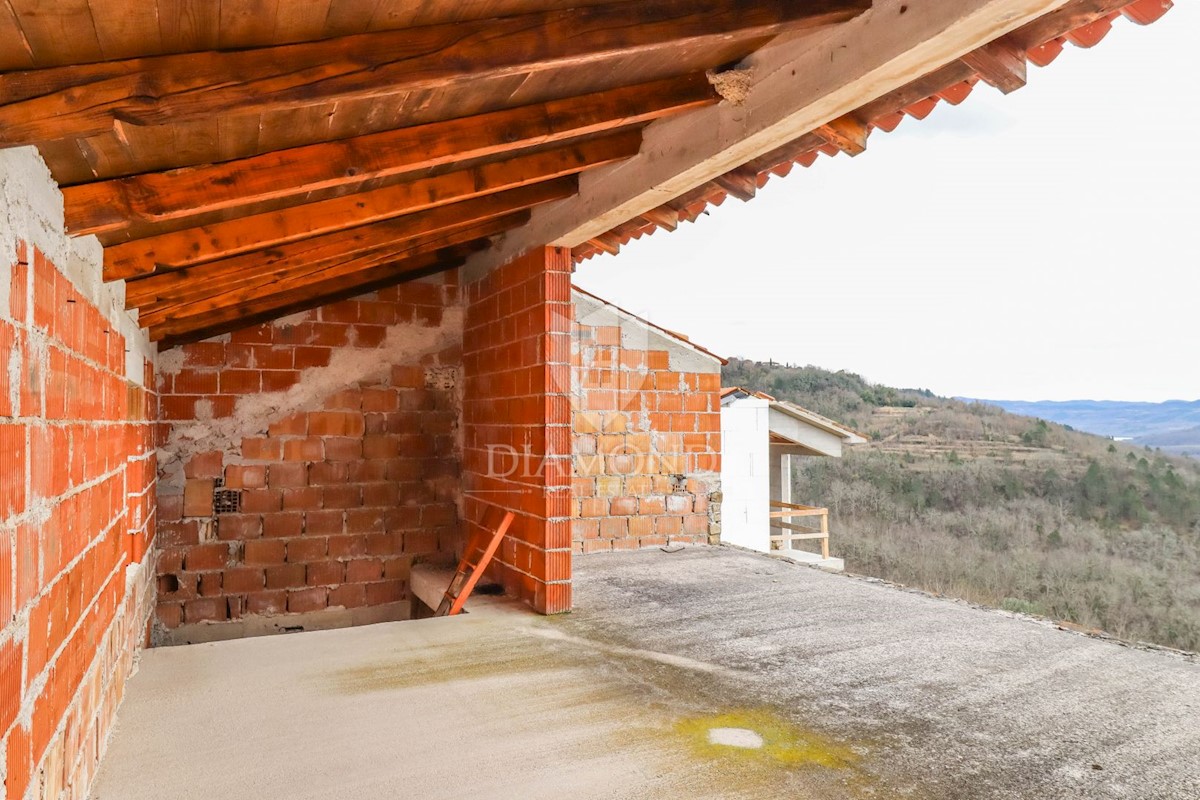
242, 167
794, 429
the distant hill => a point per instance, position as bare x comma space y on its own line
1174, 425
969, 500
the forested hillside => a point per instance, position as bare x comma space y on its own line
971, 501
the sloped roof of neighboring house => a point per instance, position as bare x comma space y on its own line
679, 337
848, 434
1083, 23
812, 418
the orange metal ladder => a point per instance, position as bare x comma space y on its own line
469, 573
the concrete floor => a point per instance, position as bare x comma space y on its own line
854, 689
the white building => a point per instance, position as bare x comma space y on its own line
759, 438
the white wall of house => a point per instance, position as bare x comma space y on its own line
745, 473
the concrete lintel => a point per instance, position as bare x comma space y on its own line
799, 84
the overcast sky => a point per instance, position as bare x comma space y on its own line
1040, 245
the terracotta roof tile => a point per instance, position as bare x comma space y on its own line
1083, 23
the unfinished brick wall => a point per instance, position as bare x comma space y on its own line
336, 433
77, 471
516, 421
646, 424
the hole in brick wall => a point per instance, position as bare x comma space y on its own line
227, 501
168, 584
442, 378
218, 483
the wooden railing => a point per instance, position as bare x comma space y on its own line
797, 532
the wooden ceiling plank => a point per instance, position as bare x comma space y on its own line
301, 22
52, 28
345, 270
125, 29
107, 206
191, 139
224, 239
348, 17
17, 53
85, 99
1000, 63
237, 135
67, 160
248, 23
278, 260
252, 313
189, 25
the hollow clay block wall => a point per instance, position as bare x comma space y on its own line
76, 492
517, 422
308, 462
646, 425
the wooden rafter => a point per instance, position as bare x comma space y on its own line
280, 304
112, 205
224, 239
663, 216
348, 269
742, 183
277, 263
847, 133
83, 100
1072, 15
1001, 63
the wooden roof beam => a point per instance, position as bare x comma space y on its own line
798, 85
172, 333
264, 266
224, 239
84, 100
347, 270
1000, 63
159, 197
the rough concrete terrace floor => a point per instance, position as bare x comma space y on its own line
853, 690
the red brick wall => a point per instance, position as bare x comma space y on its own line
338, 429
647, 438
516, 421
76, 508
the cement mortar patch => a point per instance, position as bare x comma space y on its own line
403, 344
31, 211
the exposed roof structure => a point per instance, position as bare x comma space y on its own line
244, 160
1001, 64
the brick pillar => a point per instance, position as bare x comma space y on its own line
517, 421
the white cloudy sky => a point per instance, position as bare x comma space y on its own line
1043, 245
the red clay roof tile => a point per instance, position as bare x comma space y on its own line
697, 202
